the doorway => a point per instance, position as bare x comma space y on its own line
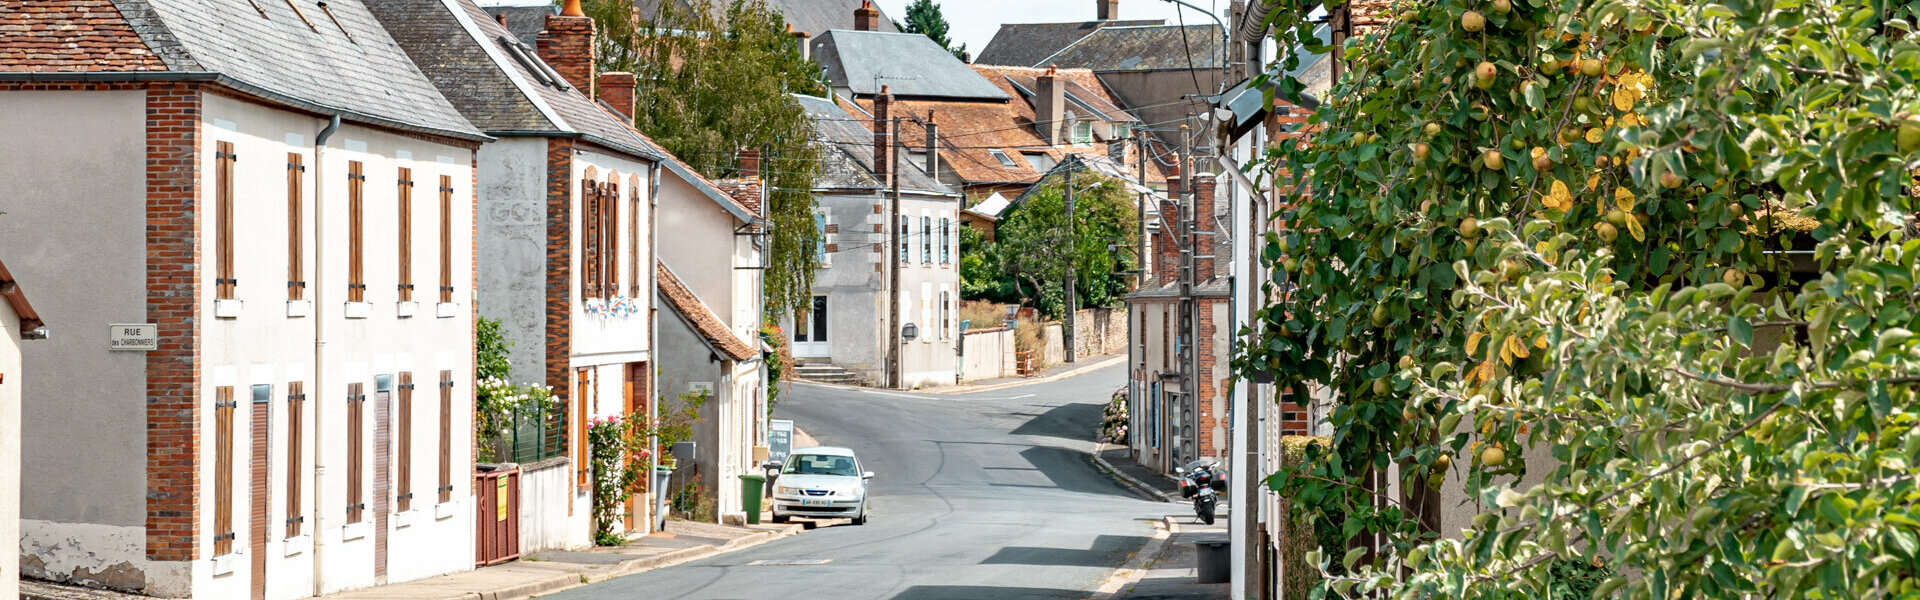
810, 330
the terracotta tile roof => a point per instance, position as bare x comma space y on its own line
9, 290
70, 35
701, 318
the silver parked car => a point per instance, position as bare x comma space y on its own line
821, 482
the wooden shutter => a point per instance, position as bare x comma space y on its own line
446, 437
259, 484
356, 223
403, 436
296, 437
610, 240
356, 501
296, 227
223, 406
446, 238
590, 237
634, 211
406, 235
581, 390
223, 220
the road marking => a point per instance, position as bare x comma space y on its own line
893, 394
789, 563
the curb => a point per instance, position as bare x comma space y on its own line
1138, 565
1138, 486
966, 389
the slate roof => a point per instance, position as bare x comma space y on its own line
1143, 48
702, 319
10, 291
1029, 44
464, 51
270, 50
1087, 95
847, 162
817, 17
912, 65
526, 22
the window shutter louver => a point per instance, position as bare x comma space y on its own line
610, 241
590, 238
356, 501
634, 227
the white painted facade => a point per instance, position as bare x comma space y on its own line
87, 523
853, 281
10, 380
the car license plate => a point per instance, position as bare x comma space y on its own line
813, 502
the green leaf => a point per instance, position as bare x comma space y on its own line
1741, 330
1352, 556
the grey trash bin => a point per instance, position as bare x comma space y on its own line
1214, 561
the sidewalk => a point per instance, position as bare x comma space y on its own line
1059, 371
1116, 461
547, 572
1172, 573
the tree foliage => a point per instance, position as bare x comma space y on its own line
1572, 227
1027, 262
924, 17
709, 86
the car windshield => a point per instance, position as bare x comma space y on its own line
820, 464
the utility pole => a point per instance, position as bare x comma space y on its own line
1189, 311
1072, 274
893, 257
1140, 243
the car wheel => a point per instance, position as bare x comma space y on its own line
780, 518
862, 519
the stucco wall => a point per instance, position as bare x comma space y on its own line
695, 238
989, 355
75, 228
606, 337
10, 381
513, 249
854, 281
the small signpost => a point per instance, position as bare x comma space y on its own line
779, 440
136, 337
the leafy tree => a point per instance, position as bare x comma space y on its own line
925, 17
1029, 259
1571, 228
706, 95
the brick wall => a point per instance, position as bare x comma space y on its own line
567, 46
1210, 385
559, 328
173, 303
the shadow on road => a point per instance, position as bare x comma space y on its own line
1107, 551
984, 592
1069, 470
1071, 421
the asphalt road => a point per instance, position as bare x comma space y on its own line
987, 496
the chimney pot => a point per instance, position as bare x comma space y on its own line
1108, 10
500, 18
866, 18
572, 9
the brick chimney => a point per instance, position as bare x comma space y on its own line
616, 88
933, 146
1108, 10
866, 18
1166, 253
1050, 105
749, 163
804, 39
567, 45
883, 136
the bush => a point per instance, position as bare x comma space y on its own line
982, 315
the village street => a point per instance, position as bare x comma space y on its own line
985, 495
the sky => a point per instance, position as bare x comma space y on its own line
973, 22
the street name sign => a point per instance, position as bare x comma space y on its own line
138, 337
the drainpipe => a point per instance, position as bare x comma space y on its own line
319, 315
658, 522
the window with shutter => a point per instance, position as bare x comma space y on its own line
406, 235
296, 436
446, 437
590, 238
582, 389
609, 240
946, 238
356, 459
296, 227
223, 405
820, 237
356, 224
223, 220
635, 249
906, 237
403, 442
446, 239
926, 240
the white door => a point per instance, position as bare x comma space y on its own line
810, 330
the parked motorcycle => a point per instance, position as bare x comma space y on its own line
1201, 481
